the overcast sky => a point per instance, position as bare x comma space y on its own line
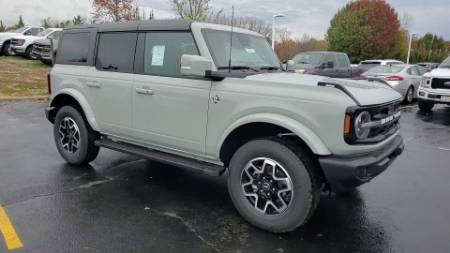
302, 16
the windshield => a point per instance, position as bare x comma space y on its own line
385, 69
248, 52
44, 33
445, 63
20, 30
308, 58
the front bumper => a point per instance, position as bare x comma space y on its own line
346, 172
434, 95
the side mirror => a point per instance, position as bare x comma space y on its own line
328, 65
290, 65
195, 65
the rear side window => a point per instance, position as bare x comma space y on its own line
342, 61
115, 51
163, 51
74, 48
330, 58
54, 35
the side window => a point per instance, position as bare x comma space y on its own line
115, 51
27, 32
413, 71
54, 35
342, 61
74, 48
163, 51
35, 31
330, 58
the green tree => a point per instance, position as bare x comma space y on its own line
20, 23
365, 29
2, 27
78, 20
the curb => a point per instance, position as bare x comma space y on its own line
32, 98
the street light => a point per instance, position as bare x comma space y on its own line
273, 28
411, 37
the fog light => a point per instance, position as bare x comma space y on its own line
421, 93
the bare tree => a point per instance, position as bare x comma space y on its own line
250, 23
115, 10
197, 10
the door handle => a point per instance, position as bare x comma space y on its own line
93, 84
144, 91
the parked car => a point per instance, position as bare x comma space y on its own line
331, 64
165, 90
45, 50
5, 37
23, 45
403, 78
368, 64
428, 65
435, 87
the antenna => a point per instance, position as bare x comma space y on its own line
231, 38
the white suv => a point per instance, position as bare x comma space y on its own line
5, 38
435, 87
23, 44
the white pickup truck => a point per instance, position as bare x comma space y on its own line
435, 87
23, 44
5, 37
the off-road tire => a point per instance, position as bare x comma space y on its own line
425, 106
5, 49
87, 150
301, 167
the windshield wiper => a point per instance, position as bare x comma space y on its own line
237, 67
269, 68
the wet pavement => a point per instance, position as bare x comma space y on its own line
122, 203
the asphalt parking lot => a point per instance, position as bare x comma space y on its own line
122, 203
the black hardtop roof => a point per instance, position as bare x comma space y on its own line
155, 25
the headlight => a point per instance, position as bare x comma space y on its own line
300, 71
426, 82
362, 131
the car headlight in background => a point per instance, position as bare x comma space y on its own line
300, 71
362, 131
426, 82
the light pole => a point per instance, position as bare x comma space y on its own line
273, 28
411, 37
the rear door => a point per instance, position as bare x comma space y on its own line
110, 82
343, 69
331, 72
169, 110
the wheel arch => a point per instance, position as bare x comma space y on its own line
74, 98
257, 126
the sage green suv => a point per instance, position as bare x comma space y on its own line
181, 93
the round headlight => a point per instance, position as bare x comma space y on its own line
426, 82
362, 132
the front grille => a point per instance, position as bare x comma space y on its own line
41, 48
438, 83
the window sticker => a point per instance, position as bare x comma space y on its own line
250, 50
158, 55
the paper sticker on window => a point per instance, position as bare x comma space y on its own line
250, 50
158, 55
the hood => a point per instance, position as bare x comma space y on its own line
364, 92
44, 42
28, 37
439, 72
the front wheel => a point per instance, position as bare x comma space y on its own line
273, 184
74, 138
425, 105
7, 50
409, 98
29, 53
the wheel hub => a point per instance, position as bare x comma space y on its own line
267, 186
69, 134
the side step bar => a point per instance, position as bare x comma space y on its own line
206, 168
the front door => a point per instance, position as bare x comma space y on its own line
169, 110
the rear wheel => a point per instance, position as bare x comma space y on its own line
7, 50
425, 105
409, 97
273, 184
74, 138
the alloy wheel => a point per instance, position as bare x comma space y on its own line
69, 135
267, 186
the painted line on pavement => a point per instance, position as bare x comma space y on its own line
12, 240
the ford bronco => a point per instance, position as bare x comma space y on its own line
214, 99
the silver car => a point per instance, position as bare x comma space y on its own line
403, 78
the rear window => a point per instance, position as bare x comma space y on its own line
385, 69
74, 49
116, 52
